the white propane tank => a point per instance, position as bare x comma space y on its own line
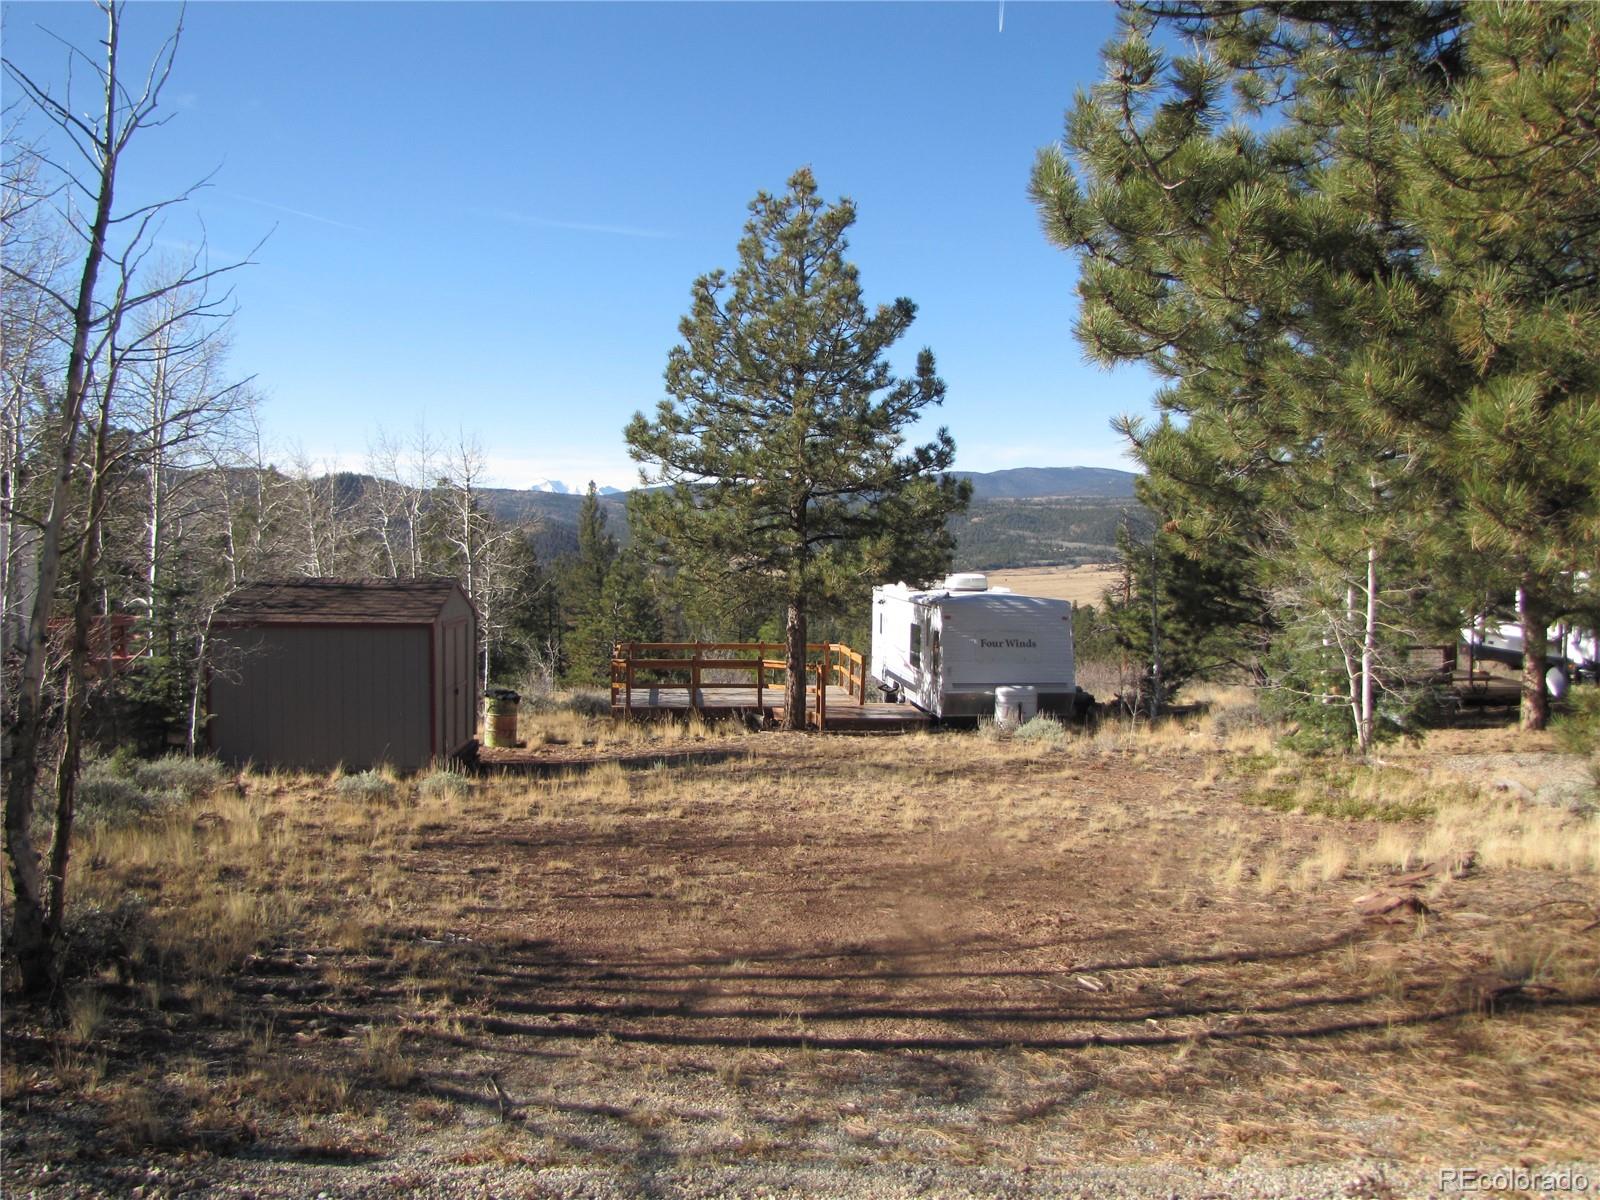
1014, 706
1555, 682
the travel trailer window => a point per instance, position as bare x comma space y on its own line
916, 644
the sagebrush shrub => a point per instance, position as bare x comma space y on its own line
106, 797
589, 704
178, 776
443, 785
364, 785
1042, 728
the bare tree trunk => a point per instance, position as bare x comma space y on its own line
96, 321
157, 469
30, 936
1352, 672
83, 601
77, 684
486, 631
1369, 651
198, 686
1155, 634
1535, 655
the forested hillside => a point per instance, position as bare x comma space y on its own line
1026, 516
1032, 533
1036, 483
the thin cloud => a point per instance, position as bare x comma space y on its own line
633, 231
296, 212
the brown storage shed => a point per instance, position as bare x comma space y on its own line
317, 672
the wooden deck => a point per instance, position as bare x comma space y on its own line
663, 679
844, 714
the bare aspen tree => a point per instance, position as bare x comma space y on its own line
33, 331
385, 502
326, 523
398, 498
245, 502
109, 290
422, 453
181, 408
471, 533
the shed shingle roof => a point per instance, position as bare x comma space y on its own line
337, 601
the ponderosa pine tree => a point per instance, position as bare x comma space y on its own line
583, 583
607, 596
1505, 193
1183, 615
783, 440
1284, 278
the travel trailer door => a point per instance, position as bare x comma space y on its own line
928, 657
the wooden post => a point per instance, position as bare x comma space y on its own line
694, 678
627, 703
822, 687
761, 678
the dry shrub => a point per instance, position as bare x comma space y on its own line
86, 1011
444, 784
383, 1056
1042, 730
1508, 833
588, 703
134, 1119
1176, 734
1395, 848
1327, 863
180, 777
107, 797
1100, 678
366, 785
300, 1089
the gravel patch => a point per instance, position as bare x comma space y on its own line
1557, 780
421, 1175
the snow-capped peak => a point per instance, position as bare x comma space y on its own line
556, 487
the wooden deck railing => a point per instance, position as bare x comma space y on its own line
662, 666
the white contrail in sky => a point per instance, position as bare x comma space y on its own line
295, 212
1002, 16
522, 218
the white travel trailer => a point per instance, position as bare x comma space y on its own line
1571, 650
947, 649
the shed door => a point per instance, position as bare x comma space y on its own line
457, 686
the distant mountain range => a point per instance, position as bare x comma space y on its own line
1037, 483
556, 488
1019, 517
1027, 516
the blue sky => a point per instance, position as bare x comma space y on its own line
487, 217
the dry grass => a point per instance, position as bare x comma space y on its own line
943, 948
1082, 585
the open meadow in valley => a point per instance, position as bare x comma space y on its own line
689, 960
1085, 584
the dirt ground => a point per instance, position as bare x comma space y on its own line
933, 964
